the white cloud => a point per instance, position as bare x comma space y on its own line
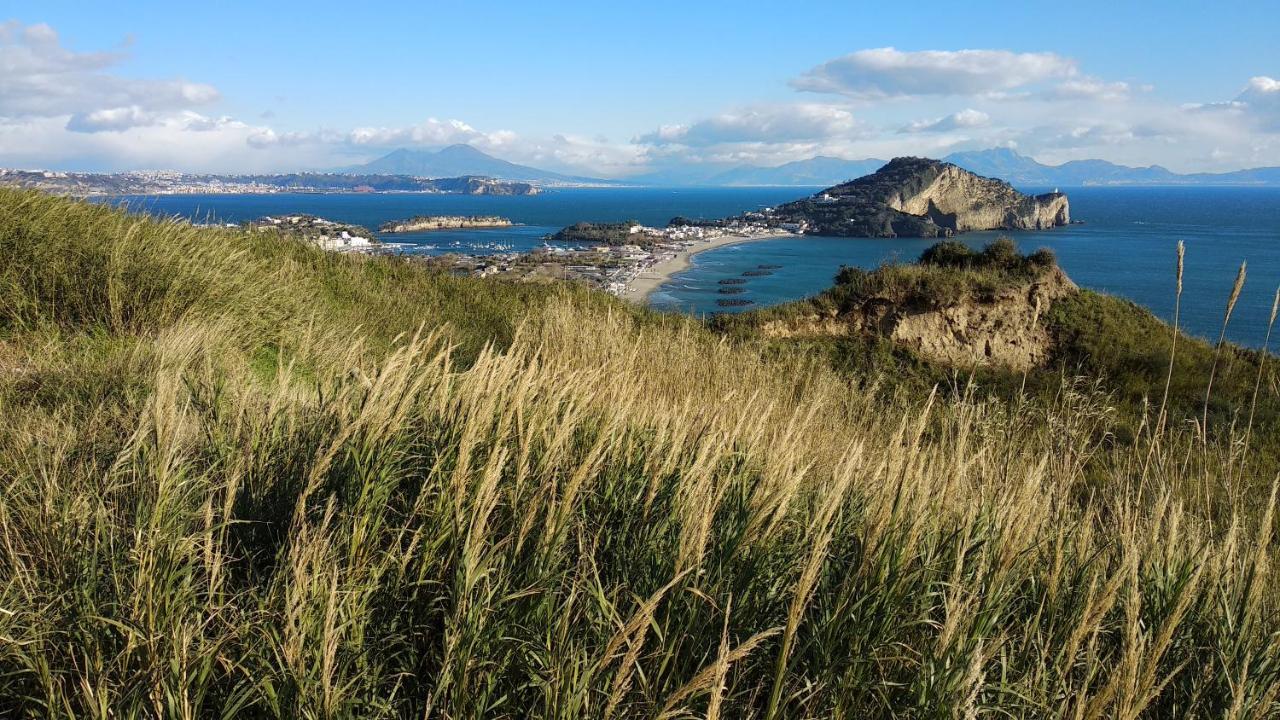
1088, 88
967, 118
112, 119
765, 123
1256, 108
431, 132
888, 72
180, 142
1261, 98
1262, 86
268, 138
41, 78
579, 154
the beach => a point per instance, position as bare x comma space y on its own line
643, 284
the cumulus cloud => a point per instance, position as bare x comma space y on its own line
41, 78
888, 72
575, 153
268, 138
1262, 86
967, 118
1088, 88
1257, 106
431, 132
770, 123
112, 119
179, 142
1261, 98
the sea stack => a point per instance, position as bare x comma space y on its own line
919, 197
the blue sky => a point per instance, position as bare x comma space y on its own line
616, 89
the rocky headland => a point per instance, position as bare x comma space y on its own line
424, 223
476, 185
919, 197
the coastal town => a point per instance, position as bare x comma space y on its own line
132, 183
323, 233
628, 260
634, 269
157, 182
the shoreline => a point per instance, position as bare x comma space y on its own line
640, 287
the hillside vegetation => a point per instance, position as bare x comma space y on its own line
1111, 342
238, 475
618, 233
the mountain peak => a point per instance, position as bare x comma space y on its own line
459, 160
463, 150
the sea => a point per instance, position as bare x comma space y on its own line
1125, 243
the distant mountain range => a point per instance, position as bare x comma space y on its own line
458, 160
820, 171
1002, 163
1019, 169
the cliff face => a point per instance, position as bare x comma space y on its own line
918, 197
444, 222
1005, 330
473, 185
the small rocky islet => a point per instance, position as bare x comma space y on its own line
424, 223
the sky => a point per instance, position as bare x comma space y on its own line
621, 89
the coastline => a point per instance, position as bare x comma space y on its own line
643, 285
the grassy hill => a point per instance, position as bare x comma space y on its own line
239, 475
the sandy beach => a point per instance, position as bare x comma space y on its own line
639, 289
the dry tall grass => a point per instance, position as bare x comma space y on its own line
605, 514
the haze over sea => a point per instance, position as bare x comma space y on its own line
1125, 246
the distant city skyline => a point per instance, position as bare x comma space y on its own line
622, 91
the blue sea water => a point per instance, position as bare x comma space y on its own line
536, 215
1126, 245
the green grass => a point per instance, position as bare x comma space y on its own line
239, 477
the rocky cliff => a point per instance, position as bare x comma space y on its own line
444, 222
918, 197
472, 185
1004, 329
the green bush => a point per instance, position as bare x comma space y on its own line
949, 253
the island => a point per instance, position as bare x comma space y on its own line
920, 197
323, 233
423, 223
628, 232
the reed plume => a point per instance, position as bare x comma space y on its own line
1217, 349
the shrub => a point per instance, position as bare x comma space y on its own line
948, 253
1042, 258
848, 275
1001, 253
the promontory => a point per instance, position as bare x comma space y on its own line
423, 223
919, 197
